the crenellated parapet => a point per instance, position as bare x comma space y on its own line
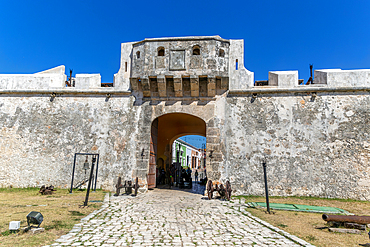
186, 67
48, 79
343, 78
51, 79
330, 78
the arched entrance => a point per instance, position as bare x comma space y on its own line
164, 131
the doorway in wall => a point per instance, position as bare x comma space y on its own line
164, 165
189, 155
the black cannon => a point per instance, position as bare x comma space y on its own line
128, 185
48, 190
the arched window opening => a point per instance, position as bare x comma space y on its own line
138, 54
161, 51
221, 53
236, 64
196, 50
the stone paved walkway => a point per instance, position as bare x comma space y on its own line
164, 217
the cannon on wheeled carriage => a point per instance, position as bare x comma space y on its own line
128, 185
48, 190
223, 191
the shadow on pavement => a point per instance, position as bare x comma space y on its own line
196, 188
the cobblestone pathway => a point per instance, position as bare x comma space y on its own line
172, 218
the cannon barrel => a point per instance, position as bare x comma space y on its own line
347, 218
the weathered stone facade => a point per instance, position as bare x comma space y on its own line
313, 147
314, 138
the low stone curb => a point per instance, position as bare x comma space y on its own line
271, 227
65, 239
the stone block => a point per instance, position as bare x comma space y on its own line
211, 123
213, 175
211, 87
343, 78
213, 131
224, 83
344, 230
283, 78
141, 172
214, 146
216, 156
177, 84
177, 59
194, 84
134, 84
213, 139
36, 230
196, 62
162, 91
145, 86
14, 225
211, 64
52, 78
86, 81
160, 62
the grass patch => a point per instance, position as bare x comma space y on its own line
282, 225
60, 210
305, 225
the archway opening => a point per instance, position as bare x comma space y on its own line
190, 152
165, 131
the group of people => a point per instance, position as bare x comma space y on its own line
169, 176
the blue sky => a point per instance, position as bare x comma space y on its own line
194, 140
279, 35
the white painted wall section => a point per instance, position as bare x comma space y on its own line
51, 78
86, 81
239, 77
122, 78
342, 78
283, 78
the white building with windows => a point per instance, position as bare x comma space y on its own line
187, 155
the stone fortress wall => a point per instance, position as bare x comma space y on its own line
314, 138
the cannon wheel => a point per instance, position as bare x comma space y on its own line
221, 191
210, 189
136, 185
228, 190
118, 186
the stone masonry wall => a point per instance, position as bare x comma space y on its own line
313, 146
38, 138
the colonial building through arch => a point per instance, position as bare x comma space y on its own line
164, 131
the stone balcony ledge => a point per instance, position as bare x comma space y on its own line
298, 89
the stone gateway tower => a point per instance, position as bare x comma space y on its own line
314, 138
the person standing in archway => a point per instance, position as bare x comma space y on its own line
196, 175
172, 174
188, 171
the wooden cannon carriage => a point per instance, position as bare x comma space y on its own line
128, 185
223, 191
